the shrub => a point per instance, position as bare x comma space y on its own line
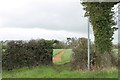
32, 53
79, 57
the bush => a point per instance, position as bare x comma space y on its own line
33, 53
79, 57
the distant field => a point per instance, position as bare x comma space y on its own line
66, 57
56, 51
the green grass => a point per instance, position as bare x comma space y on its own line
58, 71
0, 75
56, 51
66, 57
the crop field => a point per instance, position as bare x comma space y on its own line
65, 57
56, 51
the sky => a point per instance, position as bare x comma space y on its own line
48, 19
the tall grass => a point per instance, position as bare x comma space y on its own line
58, 72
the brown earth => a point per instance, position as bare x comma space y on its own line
57, 58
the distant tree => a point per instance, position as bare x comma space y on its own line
68, 41
59, 45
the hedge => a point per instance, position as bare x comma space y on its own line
26, 54
79, 57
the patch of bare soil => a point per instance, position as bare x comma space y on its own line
57, 58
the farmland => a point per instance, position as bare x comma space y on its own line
65, 57
56, 51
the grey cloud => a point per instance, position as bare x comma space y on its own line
65, 15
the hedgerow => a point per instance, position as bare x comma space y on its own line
32, 53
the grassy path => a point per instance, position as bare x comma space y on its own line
56, 51
58, 57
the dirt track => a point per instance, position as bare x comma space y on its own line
57, 58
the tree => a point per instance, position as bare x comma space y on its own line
59, 45
101, 18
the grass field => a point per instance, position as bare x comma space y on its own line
56, 51
58, 71
66, 57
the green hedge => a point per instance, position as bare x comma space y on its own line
32, 53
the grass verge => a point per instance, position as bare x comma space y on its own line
58, 71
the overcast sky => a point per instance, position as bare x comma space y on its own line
48, 19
